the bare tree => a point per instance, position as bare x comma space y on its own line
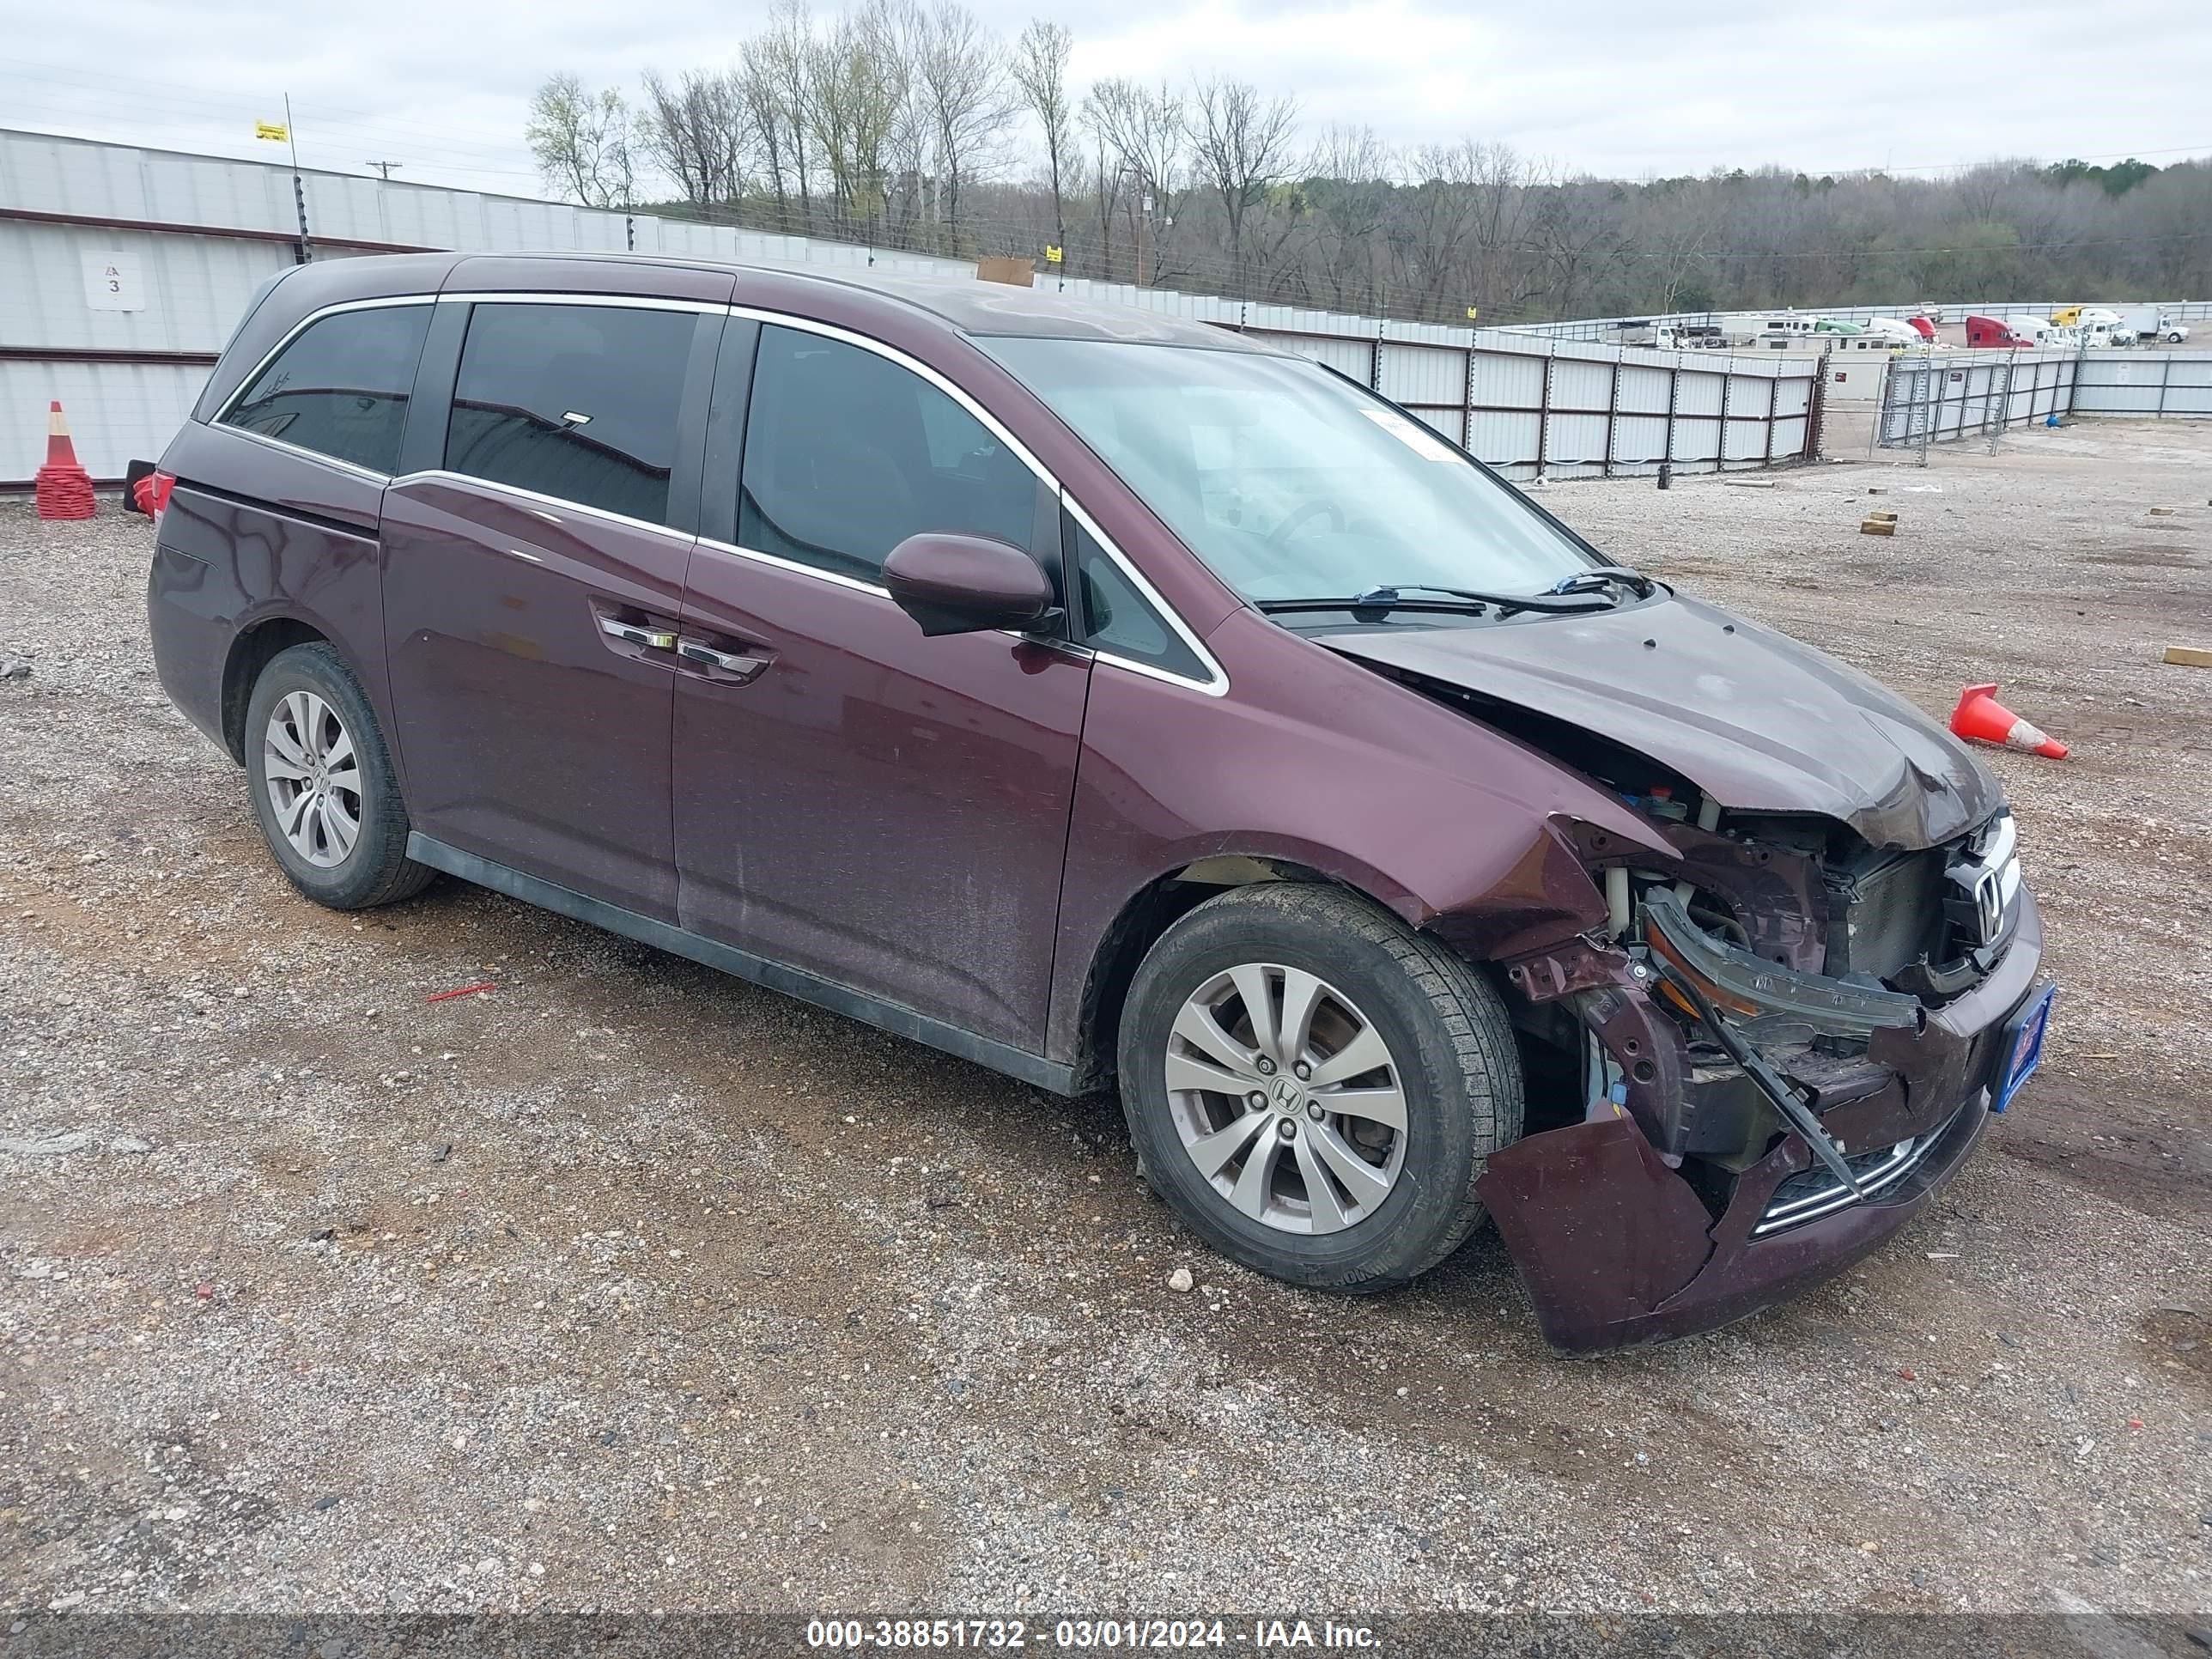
771, 132
1500, 183
582, 142
1577, 232
967, 101
1040, 74
1142, 133
857, 87
1107, 177
899, 31
1348, 193
698, 133
1674, 241
1429, 232
777, 90
1242, 146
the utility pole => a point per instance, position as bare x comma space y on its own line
384, 167
299, 184
1141, 199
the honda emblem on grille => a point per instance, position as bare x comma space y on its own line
1989, 906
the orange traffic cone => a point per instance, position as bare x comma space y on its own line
63, 488
1979, 715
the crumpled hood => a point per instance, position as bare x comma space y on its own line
1757, 720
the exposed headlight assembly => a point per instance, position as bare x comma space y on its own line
1732, 979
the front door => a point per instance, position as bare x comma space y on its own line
533, 574
883, 810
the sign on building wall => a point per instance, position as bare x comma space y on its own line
112, 283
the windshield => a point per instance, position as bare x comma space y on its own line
1289, 482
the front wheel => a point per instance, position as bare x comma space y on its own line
1314, 1087
323, 785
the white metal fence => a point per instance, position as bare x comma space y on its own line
1940, 397
2128, 383
122, 270
1932, 398
1558, 408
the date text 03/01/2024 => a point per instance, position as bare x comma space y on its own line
1080, 1634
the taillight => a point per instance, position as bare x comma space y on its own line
151, 494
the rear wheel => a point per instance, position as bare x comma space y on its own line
322, 783
1314, 1087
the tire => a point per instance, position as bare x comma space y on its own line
1449, 1051
320, 715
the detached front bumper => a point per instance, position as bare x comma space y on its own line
1615, 1248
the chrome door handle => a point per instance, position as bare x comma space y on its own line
645, 639
730, 662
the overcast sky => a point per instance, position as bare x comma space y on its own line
1614, 87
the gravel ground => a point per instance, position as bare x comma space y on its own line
625, 1285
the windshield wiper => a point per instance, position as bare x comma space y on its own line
1370, 602
1595, 581
1390, 598
1463, 601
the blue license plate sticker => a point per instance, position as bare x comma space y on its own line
2023, 1050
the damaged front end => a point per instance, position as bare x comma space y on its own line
1781, 1040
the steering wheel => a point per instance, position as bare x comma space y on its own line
1298, 517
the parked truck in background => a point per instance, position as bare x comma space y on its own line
1898, 335
2040, 331
1985, 331
2095, 325
2152, 323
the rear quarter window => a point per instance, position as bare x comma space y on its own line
339, 387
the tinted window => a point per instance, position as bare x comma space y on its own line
579, 402
341, 388
847, 454
1118, 619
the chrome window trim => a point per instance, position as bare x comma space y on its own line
836, 578
445, 475
221, 416
366, 474
1218, 687
1217, 683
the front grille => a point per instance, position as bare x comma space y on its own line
1815, 1193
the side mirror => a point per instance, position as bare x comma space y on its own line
955, 584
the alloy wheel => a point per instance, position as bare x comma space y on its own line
313, 778
1287, 1098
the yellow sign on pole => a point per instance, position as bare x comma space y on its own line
1052, 253
1470, 313
275, 131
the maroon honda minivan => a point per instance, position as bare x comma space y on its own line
1113, 702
